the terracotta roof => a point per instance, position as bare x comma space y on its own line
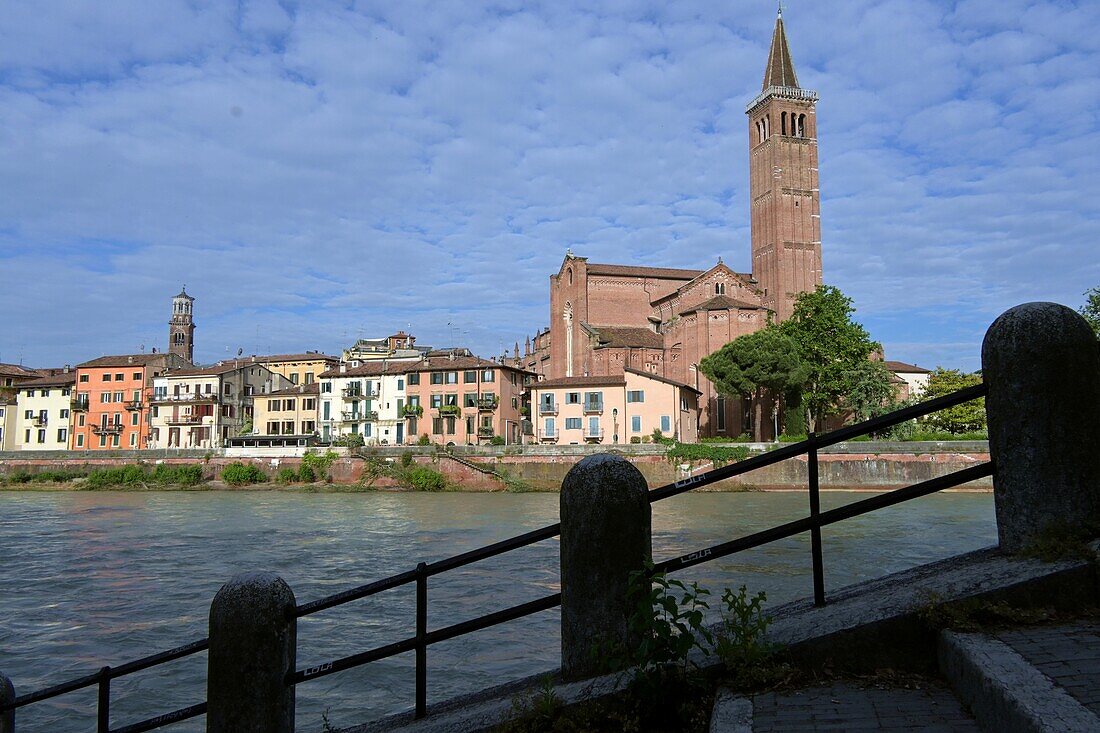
612, 380
780, 69
665, 380
375, 368
123, 360
901, 366
664, 273
14, 370
298, 389
210, 371
723, 302
637, 337
315, 356
57, 380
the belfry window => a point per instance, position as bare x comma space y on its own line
719, 288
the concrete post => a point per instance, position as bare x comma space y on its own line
605, 535
7, 697
253, 634
1041, 363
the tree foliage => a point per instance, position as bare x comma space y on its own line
1091, 309
870, 390
965, 418
767, 360
834, 348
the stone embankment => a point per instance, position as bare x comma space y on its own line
866, 465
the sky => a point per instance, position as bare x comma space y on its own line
319, 171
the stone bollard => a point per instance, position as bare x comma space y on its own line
253, 633
1041, 363
7, 697
605, 535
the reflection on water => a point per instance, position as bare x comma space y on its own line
100, 578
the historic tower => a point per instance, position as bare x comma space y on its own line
181, 329
783, 181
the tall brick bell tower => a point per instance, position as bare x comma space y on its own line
181, 329
783, 180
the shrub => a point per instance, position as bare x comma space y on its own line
318, 465
635, 439
718, 455
406, 459
286, 476
497, 440
742, 640
423, 478
241, 474
424, 440
306, 474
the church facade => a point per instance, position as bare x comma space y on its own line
609, 318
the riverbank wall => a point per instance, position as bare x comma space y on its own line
857, 465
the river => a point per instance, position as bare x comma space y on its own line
95, 578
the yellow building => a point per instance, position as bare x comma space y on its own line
298, 368
290, 411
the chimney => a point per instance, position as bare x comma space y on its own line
343, 368
129, 360
67, 369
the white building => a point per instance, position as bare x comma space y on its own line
915, 378
203, 408
44, 412
365, 398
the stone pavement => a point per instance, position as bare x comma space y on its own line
1069, 654
854, 706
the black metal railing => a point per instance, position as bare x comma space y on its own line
423, 638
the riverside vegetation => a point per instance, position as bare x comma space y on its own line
666, 690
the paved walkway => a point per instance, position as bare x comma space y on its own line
1069, 654
851, 706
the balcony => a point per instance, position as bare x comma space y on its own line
593, 434
358, 394
593, 408
449, 410
186, 397
353, 416
111, 428
186, 419
551, 436
413, 411
487, 404
79, 405
485, 431
134, 405
39, 421
545, 409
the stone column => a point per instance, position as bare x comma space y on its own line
253, 634
1041, 363
605, 535
7, 696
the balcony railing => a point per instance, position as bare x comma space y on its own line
186, 419
593, 408
359, 394
134, 405
187, 397
370, 416
111, 428
545, 409
39, 421
593, 434
485, 431
79, 405
487, 404
413, 411
548, 435
449, 410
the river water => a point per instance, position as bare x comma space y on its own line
95, 578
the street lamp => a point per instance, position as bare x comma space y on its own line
615, 424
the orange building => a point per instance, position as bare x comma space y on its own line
111, 399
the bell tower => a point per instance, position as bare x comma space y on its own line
181, 329
783, 181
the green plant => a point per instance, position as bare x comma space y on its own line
742, 640
406, 459
537, 711
659, 437
351, 440
242, 474
424, 440
422, 478
496, 440
316, 465
450, 410
716, 454
306, 474
635, 439
286, 476
413, 411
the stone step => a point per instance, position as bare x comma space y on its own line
843, 706
1031, 679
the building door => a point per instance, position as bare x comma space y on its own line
400, 433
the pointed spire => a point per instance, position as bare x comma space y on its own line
780, 69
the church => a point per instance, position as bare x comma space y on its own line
608, 318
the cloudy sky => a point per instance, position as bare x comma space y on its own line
316, 171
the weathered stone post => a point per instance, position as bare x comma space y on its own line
1041, 364
605, 535
253, 634
7, 697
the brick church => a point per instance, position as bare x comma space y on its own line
605, 318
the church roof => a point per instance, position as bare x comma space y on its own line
902, 367
721, 303
627, 337
183, 294
667, 273
780, 69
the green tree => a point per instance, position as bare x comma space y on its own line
1091, 309
833, 347
870, 389
752, 365
965, 418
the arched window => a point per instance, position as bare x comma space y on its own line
802, 125
719, 288
569, 272
767, 126
783, 123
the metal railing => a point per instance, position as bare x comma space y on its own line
423, 638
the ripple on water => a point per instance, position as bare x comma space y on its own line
101, 578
